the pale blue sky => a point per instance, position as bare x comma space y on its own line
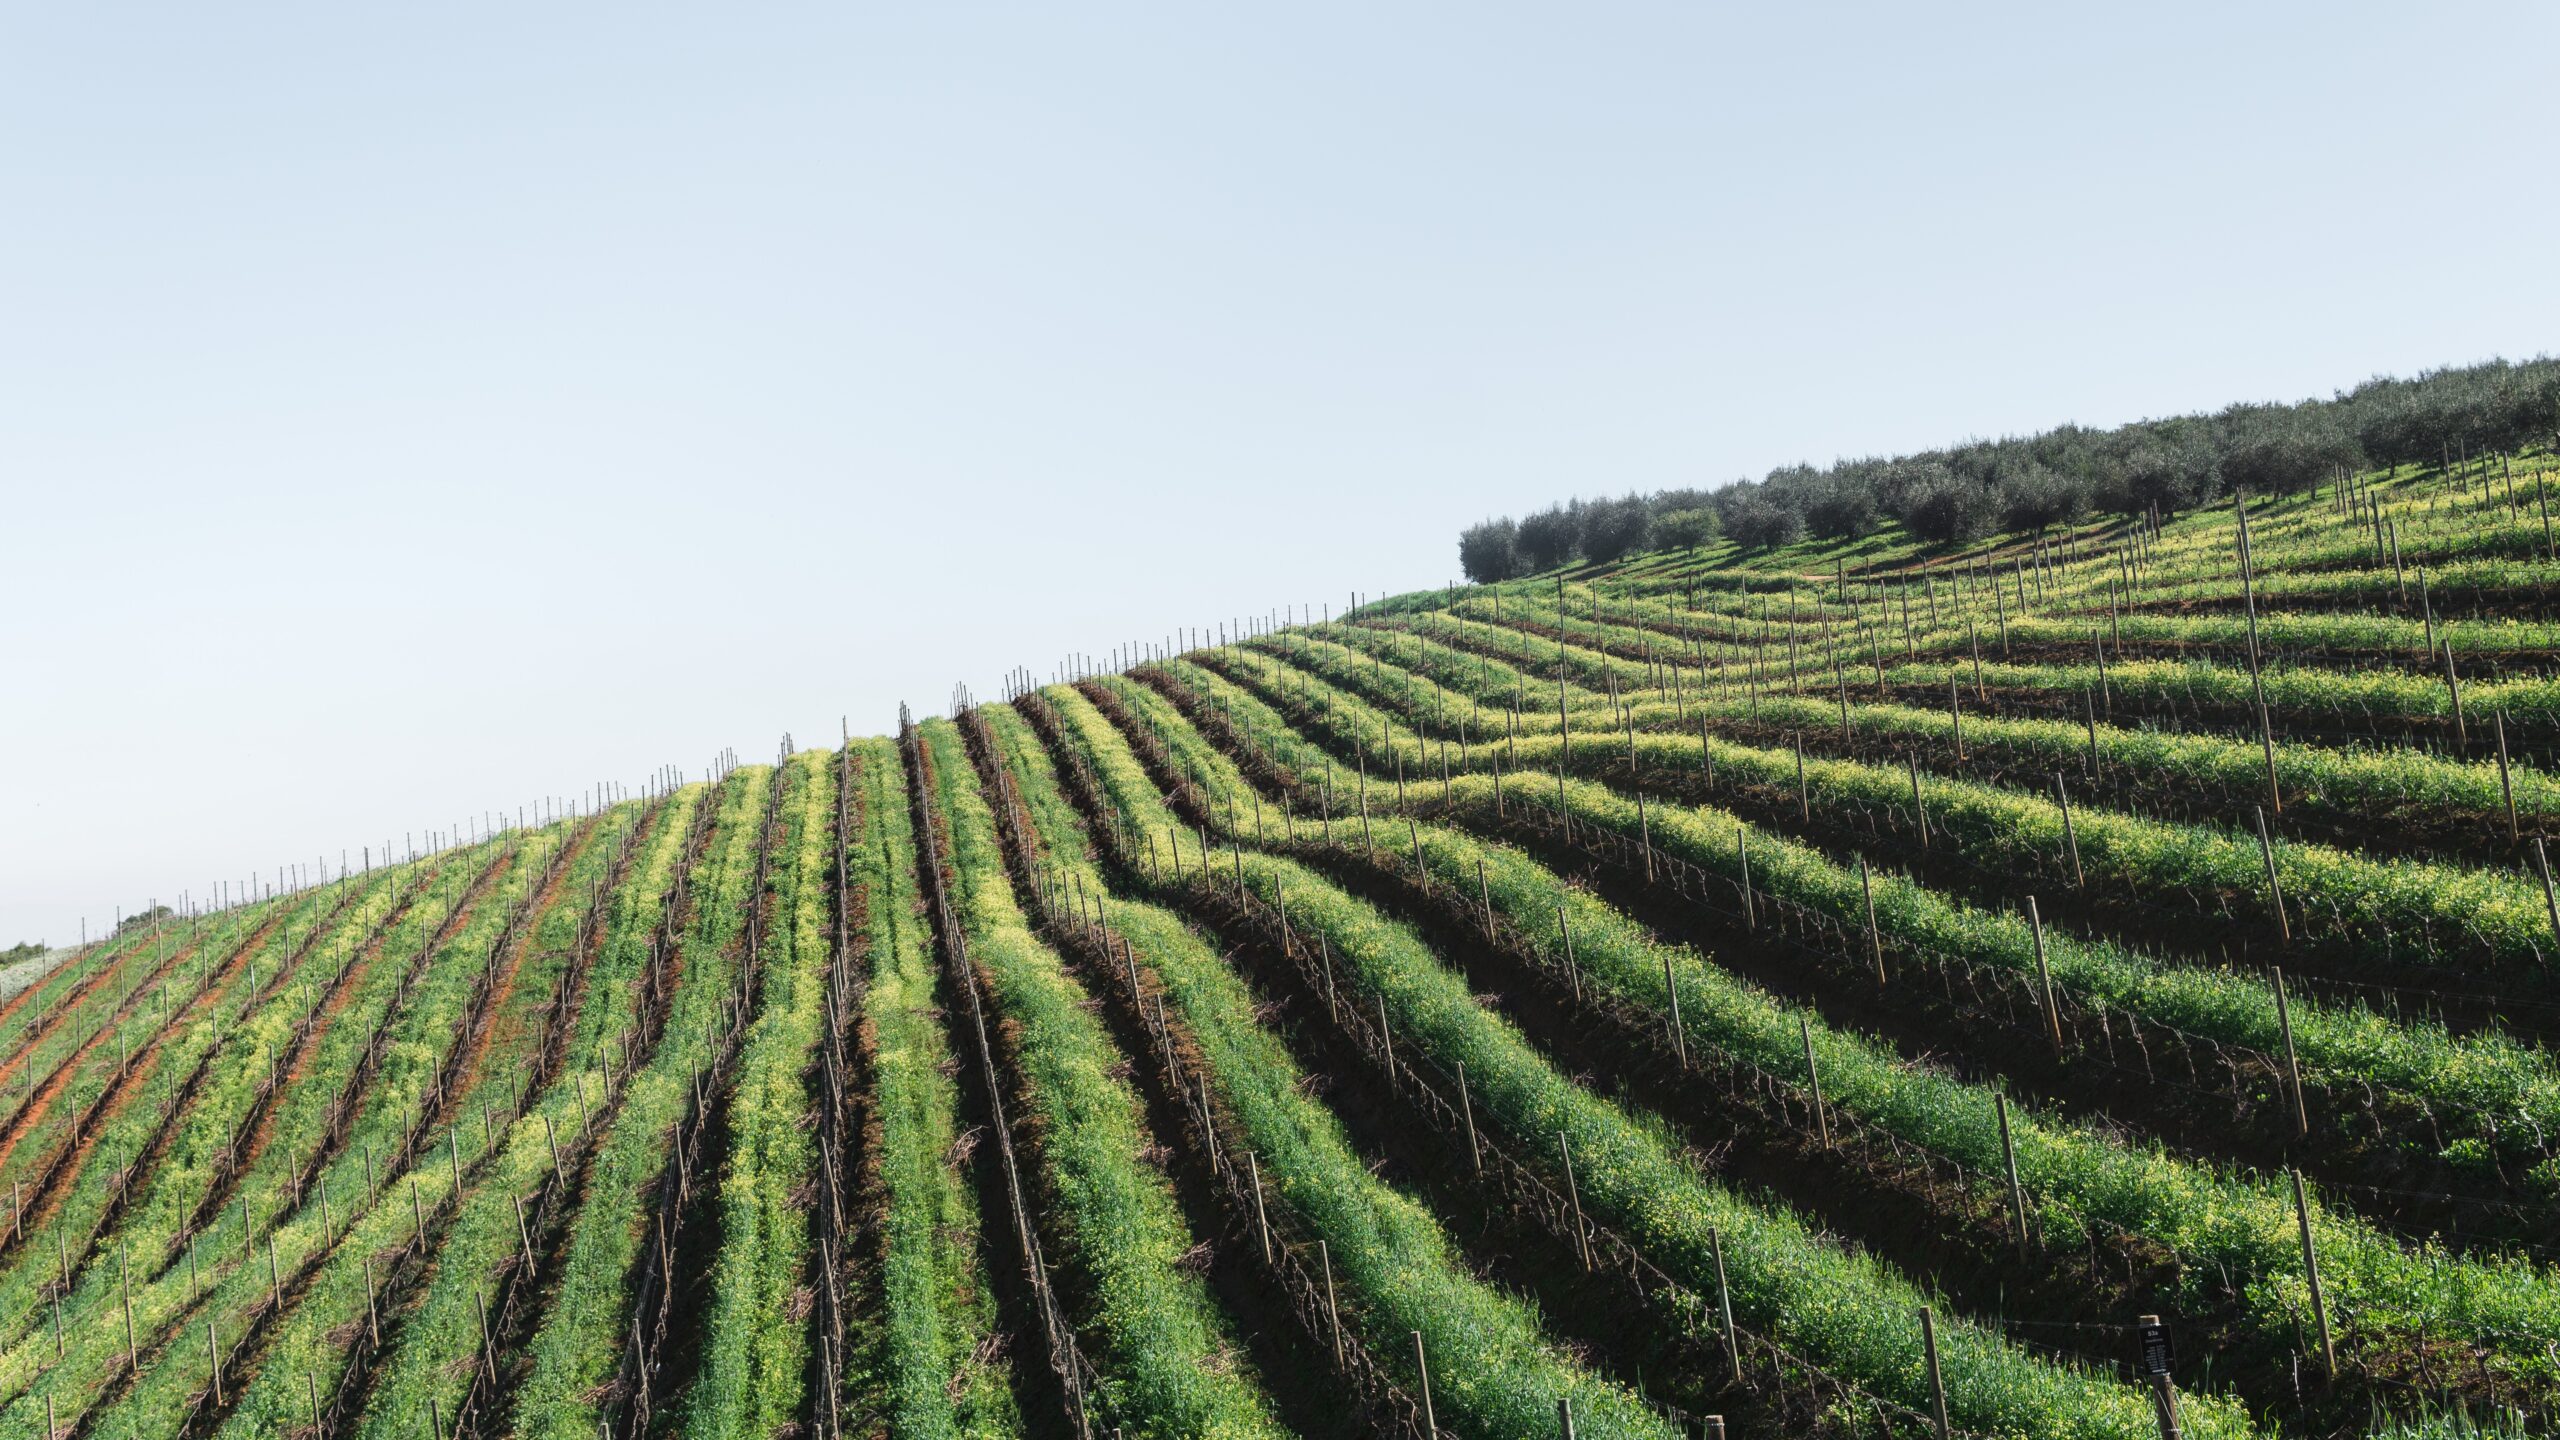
404, 415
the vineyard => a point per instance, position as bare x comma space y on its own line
2094, 984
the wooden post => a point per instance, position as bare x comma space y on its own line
1919, 807
1467, 1108
1581, 1232
124, 1282
1572, 967
1955, 719
2070, 837
2311, 1272
1261, 1219
2506, 786
1679, 1032
1422, 1368
1813, 1077
2292, 1065
1332, 1310
1875, 941
2453, 689
1937, 1379
1742, 849
2275, 887
1713, 1427
2550, 905
1564, 1418
2009, 1155
1724, 1306
2164, 1393
2044, 977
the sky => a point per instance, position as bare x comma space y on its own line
408, 412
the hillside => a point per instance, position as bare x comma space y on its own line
1837, 987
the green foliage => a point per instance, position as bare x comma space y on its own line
935, 1362
1170, 1367
1848, 1312
1495, 1373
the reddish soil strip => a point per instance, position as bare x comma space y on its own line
341, 993
50, 1188
10, 1007
492, 1014
572, 1001
35, 1110
62, 1009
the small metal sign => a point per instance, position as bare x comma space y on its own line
2157, 1353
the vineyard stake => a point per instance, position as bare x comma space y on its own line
124, 1282
1422, 1368
1467, 1108
1581, 1233
1955, 719
1564, 1418
1742, 848
2292, 1066
1332, 1312
1679, 1032
2453, 689
2070, 837
1937, 1378
1919, 807
1261, 1220
2311, 1271
2009, 1154
2506, 787
2089, 709
1573, 967
1724, 1305
2044, 977
1875, 942
2550, 905
1813, 1076
2275, 887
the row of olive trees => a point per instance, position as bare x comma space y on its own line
1983, 487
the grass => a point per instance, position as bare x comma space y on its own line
1848, 1312
1170, 1364
934, 1363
